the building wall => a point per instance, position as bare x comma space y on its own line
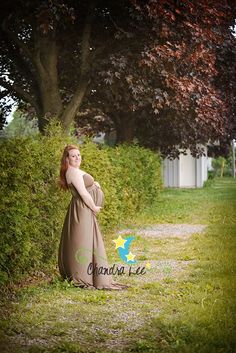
186, 171
171, 172
201, 169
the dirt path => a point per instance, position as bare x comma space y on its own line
167, 230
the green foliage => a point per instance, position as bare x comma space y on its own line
138, 177
21, 126
222, 166
33, 207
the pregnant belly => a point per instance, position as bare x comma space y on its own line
97, 195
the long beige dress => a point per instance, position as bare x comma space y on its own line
81, 249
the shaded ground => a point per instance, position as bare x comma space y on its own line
185, 302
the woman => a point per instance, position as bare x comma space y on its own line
81, 247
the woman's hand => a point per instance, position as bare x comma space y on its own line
97, 184
97, 209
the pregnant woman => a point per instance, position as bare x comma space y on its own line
81, 246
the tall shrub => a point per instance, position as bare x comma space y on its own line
137, 176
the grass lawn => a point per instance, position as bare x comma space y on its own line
185, 302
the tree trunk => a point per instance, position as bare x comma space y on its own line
72, 108
48, 98
125, 126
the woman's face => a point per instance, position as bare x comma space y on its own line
74, 158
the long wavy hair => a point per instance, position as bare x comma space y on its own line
64, 166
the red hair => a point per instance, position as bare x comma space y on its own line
64, 166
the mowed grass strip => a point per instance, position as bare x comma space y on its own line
184, 303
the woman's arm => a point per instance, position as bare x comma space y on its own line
77, 180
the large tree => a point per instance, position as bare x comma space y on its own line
152, 67
172, 84
40, 42
49, 51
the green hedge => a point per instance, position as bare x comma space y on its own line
33, 207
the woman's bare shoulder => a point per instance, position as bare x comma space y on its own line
73, 173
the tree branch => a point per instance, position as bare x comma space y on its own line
128, 34
85, 45
19, 43
15, 47
18, 92
73, 106
21, 64
3, 94
44, 47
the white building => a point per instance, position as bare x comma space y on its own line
185, 172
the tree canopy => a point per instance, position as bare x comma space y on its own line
161, 71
